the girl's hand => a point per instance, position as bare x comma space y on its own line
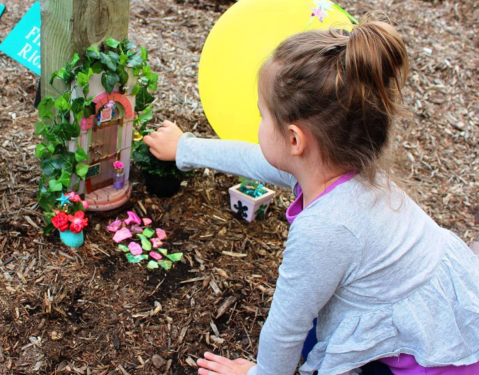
164, 141
215, 364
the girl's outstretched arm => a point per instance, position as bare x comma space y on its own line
235, 157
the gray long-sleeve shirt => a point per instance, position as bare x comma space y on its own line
381, 276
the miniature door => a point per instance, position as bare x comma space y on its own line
106, 138
104, 149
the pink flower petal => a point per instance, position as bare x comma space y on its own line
156, 243
122, 235
146, 221
155, 255
160, 233
132, 218
135, 248
85, 204
113, 227
136, 229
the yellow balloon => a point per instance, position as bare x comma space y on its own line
242, 39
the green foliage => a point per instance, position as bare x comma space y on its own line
142, 156
63, 169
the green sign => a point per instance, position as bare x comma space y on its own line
2, 8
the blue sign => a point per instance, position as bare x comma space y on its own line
23, 43
2, 8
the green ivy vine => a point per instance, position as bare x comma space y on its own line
60, 115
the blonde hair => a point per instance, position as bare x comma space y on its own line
344, 87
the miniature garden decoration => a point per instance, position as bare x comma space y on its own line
144, 243
250, 199
86, 131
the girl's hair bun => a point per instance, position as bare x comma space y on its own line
376, 63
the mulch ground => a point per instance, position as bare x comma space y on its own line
88, 311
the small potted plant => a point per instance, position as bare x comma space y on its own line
250, 199
162, 178
69, 218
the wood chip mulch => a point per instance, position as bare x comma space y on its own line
88, 311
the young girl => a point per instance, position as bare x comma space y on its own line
385, 283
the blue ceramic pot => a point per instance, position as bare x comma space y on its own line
72, 239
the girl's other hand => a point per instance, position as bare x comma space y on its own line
164, 141
215, 364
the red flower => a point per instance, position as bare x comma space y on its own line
78, 222
60, 221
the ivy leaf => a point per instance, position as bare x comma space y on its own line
109, 80
97, 67
143, 99
166, 264
146, 115
80, 155
152, 264
40, 150
152, 81
76, 58
144, 54
113, 43
48, 168
105, 59
77, 105
81, 170
115, 57
52, 77
61, 104
127, 45
40, 128
174, 257
123, 76
134, 61
123, 59
82, 79
135, 90
86, 90
93, 52
55, 185
47, 200
75, 129
65, 179
45, 106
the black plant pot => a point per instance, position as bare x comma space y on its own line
162, 186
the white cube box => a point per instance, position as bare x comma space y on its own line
248, 207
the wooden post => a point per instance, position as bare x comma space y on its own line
70, 26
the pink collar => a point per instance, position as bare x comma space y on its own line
297, 206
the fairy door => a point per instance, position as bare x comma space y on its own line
103, 151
